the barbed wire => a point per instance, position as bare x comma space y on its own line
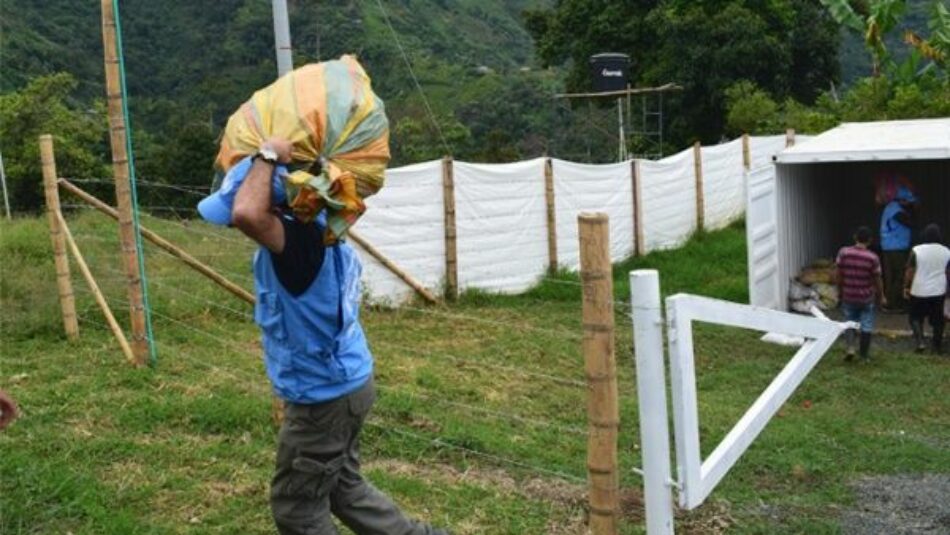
560, 428
481, 364
441, 443
257, 383
479, 410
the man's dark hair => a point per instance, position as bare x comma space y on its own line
862, 235
932, 234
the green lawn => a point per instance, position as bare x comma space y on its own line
480, 424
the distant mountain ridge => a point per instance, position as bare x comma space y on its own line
180, 49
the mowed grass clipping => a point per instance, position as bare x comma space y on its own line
480, 423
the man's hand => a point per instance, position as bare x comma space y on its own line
883, 301
8, 409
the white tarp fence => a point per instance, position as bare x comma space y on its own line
405, 222
501, 223
592, 188
668, 187
501, 214
723, 184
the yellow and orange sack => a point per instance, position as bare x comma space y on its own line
327, 110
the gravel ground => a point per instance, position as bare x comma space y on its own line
899, 505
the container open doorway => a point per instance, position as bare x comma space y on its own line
807, 204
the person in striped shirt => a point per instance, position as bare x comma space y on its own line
860, 286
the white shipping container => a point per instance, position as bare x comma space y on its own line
808, 202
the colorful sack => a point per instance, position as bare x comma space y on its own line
331, 115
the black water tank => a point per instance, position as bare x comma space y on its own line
609, 71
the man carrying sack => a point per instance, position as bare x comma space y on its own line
307, 283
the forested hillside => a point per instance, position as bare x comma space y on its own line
190, 64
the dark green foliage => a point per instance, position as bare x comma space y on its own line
787, 47
190, 65
44, 107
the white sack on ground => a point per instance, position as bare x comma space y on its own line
501, 220
593, 188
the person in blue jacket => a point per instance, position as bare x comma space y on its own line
897, 224
315, 353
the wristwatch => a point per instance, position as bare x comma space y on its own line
267, 154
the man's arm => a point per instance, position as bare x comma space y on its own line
252, 213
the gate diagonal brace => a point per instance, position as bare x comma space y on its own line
697, 477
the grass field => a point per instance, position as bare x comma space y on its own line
480, 423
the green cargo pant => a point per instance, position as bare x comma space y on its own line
318, 473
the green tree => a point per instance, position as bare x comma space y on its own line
786, 47
750, 110
874, 20
43, 107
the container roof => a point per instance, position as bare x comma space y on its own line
918, 139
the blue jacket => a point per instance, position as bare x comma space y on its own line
314, 346
895, 236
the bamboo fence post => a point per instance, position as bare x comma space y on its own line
120, 170
67, 300
789, 137
601, 370
191, 261
551, 214
700, 195
746, 153
96, 292
639, 247
451, 251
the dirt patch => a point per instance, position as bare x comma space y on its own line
713, 518
899, 505
568, 496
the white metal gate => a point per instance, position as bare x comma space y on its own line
697, 477
762, 238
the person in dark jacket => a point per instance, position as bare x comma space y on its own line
897, 224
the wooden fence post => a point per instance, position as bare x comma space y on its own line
451, 251
120, 171
67, 301
746, 153
601, 370
789, 137
96, 292
639, 247
700, 196
552, 215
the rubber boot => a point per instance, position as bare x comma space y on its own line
918, 328
865, 346
849, 337
938, 340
